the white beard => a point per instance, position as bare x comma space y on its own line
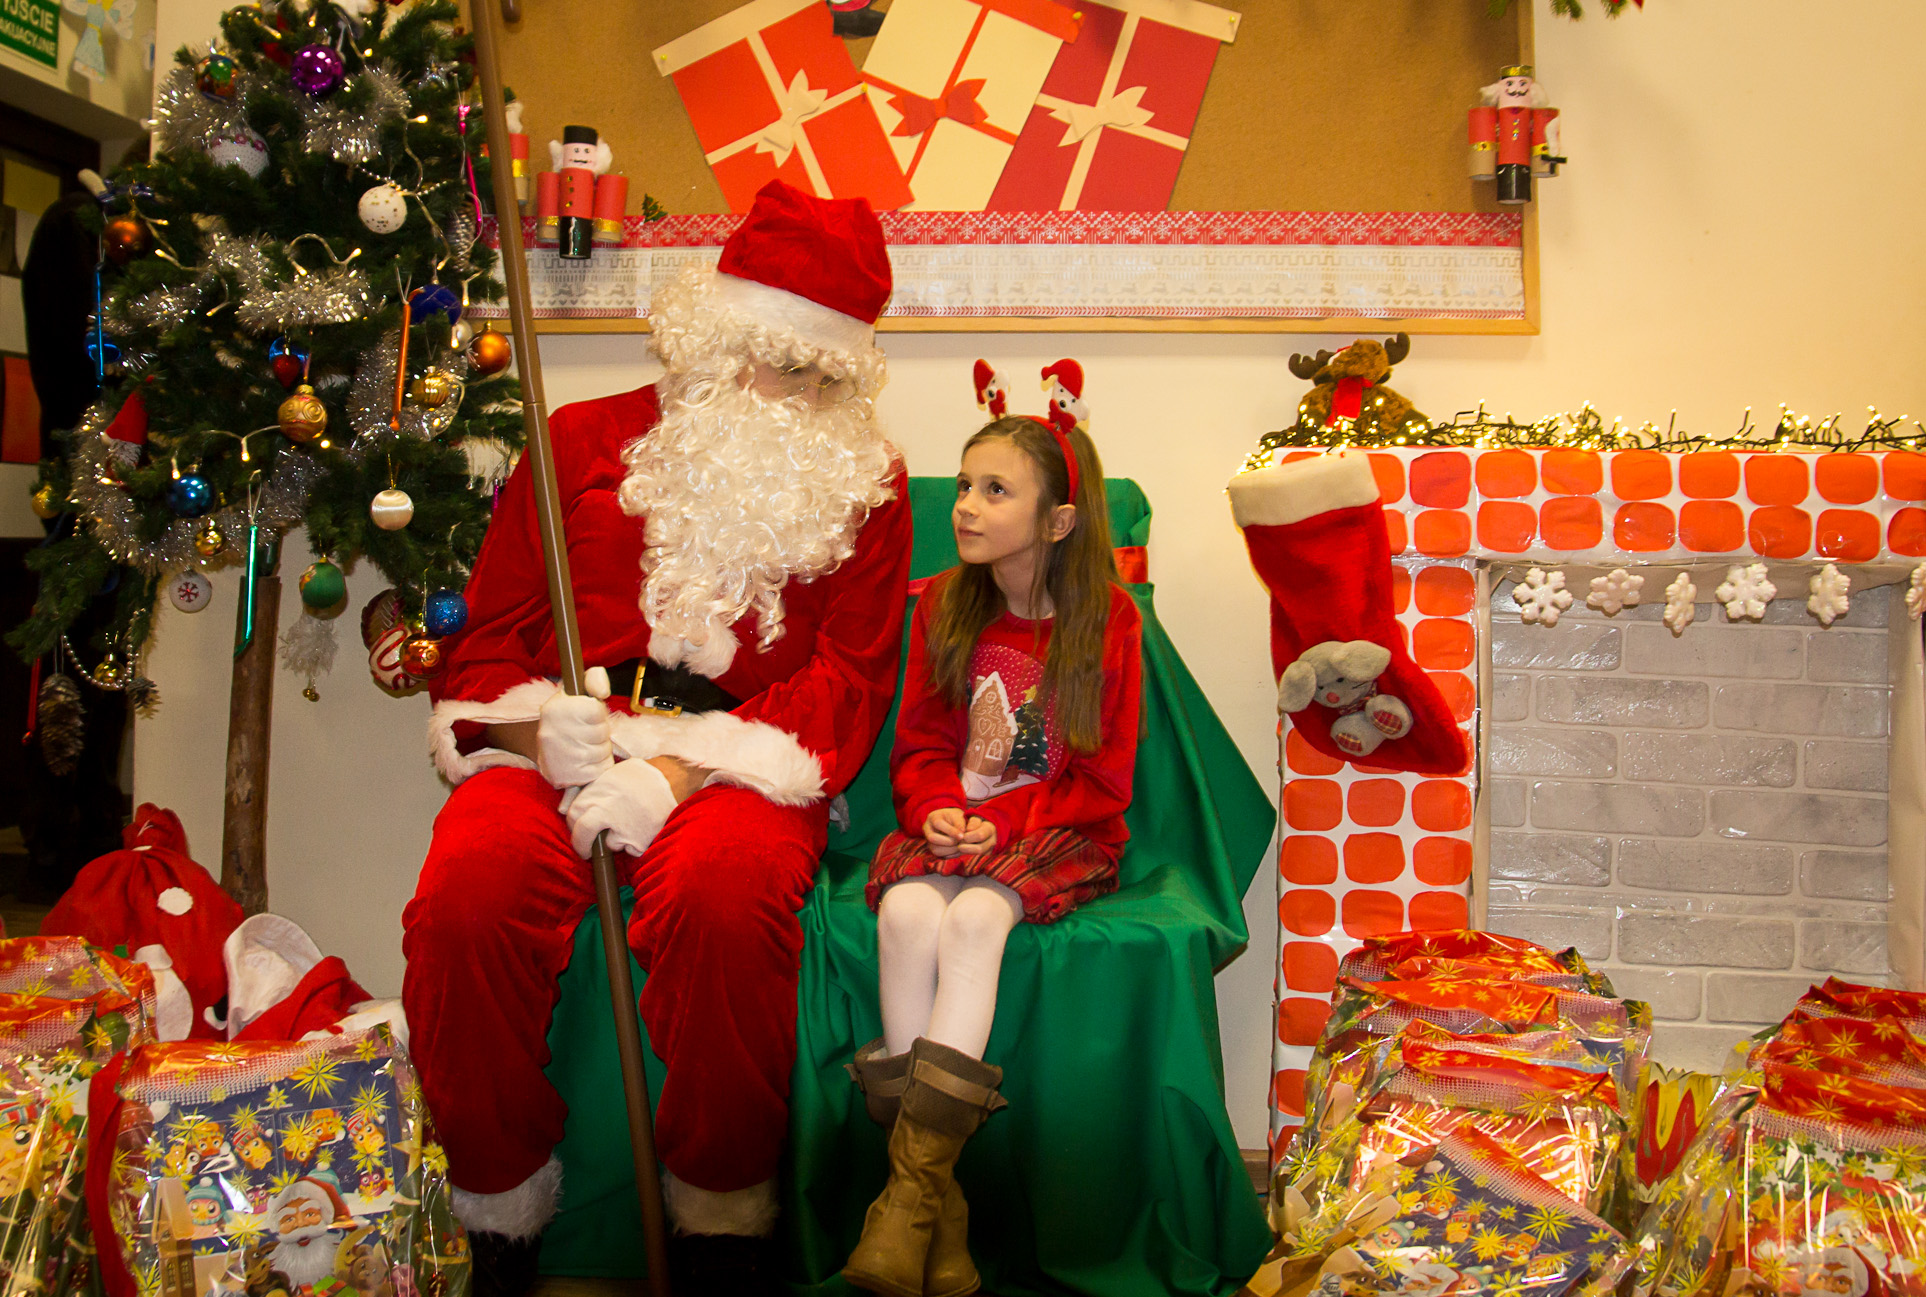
740, 494
306, 1259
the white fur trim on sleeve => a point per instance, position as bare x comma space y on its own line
1288, 493
522, 702
752, 754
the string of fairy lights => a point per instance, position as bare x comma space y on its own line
1587, 429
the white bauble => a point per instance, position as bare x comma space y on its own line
384, 208
391, 509
238, 146
461, 335
190, 591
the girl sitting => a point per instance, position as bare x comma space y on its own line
1015, 747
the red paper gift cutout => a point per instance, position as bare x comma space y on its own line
1110, 127
772, 95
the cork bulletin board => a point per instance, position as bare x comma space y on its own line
1331, 142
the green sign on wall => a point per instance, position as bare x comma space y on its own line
32, 28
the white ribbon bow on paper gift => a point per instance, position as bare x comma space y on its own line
797, 102
1120, 111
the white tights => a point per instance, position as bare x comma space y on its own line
939, 946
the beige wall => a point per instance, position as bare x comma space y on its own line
1736, 229
106, 110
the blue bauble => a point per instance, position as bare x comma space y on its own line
435, 299
445, 614
190, 496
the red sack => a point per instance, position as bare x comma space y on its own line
166, 911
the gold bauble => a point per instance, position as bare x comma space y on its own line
489, 353
432, 389
303, 418
44, 504
208, 540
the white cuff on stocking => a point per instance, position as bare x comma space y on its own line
1286, 493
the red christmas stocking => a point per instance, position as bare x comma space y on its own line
1315, 529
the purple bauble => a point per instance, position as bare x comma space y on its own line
318, 70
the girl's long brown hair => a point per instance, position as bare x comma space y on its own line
1076, 575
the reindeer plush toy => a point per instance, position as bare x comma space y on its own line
1350, 385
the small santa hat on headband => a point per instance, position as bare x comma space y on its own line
992, 389
815, 266
1064, 382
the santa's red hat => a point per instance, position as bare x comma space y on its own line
817, 267
310, 1187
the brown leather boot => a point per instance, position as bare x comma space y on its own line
948, 1096
948, 1270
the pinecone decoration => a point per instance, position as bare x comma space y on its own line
62, 724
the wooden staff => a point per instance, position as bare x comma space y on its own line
568, 641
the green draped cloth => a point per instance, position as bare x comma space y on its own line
1114, 1171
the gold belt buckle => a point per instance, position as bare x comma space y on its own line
637, 703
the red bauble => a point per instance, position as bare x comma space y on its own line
288, 368
125, 237
421, 657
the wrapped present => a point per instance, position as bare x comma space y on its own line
1375, 956
953, 81
50, 1047
772, 95
1459, 1216
1803, 1183
1113, 119
306, 1169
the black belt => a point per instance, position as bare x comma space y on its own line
650, 686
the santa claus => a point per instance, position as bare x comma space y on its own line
739, 535
306, 1218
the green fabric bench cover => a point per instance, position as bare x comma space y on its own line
1114, 1171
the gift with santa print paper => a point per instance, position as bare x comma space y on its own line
772, 95
309, 1166
1110, 126
953, 81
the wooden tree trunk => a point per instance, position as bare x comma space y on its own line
250, 720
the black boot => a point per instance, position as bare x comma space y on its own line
723, 1265
503, 1266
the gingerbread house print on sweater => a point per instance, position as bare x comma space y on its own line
997, 757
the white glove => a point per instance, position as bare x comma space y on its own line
573, 742
632, 801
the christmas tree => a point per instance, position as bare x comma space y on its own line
306, 233
280, 344
1030, 750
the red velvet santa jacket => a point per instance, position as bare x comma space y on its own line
1087, 792
813, 702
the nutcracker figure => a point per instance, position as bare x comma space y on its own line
1514, 134
580, 160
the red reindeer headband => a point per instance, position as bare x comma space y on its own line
1064, 381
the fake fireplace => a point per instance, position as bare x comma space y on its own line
1715, 809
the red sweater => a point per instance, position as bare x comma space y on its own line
1001, 757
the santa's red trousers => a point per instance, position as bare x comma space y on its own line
492, 926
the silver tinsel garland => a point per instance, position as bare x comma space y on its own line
272, 305
291, 475
371, 401
184, 118
354, 136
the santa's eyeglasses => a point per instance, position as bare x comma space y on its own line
811, 382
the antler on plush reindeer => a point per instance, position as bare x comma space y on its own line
1306, 367
1397, 347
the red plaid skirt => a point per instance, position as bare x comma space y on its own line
1052, 872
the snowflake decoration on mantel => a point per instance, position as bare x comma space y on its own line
1745, 592
1616, 590
1916, 591
1679, 598
1541, 597
1828, 602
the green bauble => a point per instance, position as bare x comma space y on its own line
323, 586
